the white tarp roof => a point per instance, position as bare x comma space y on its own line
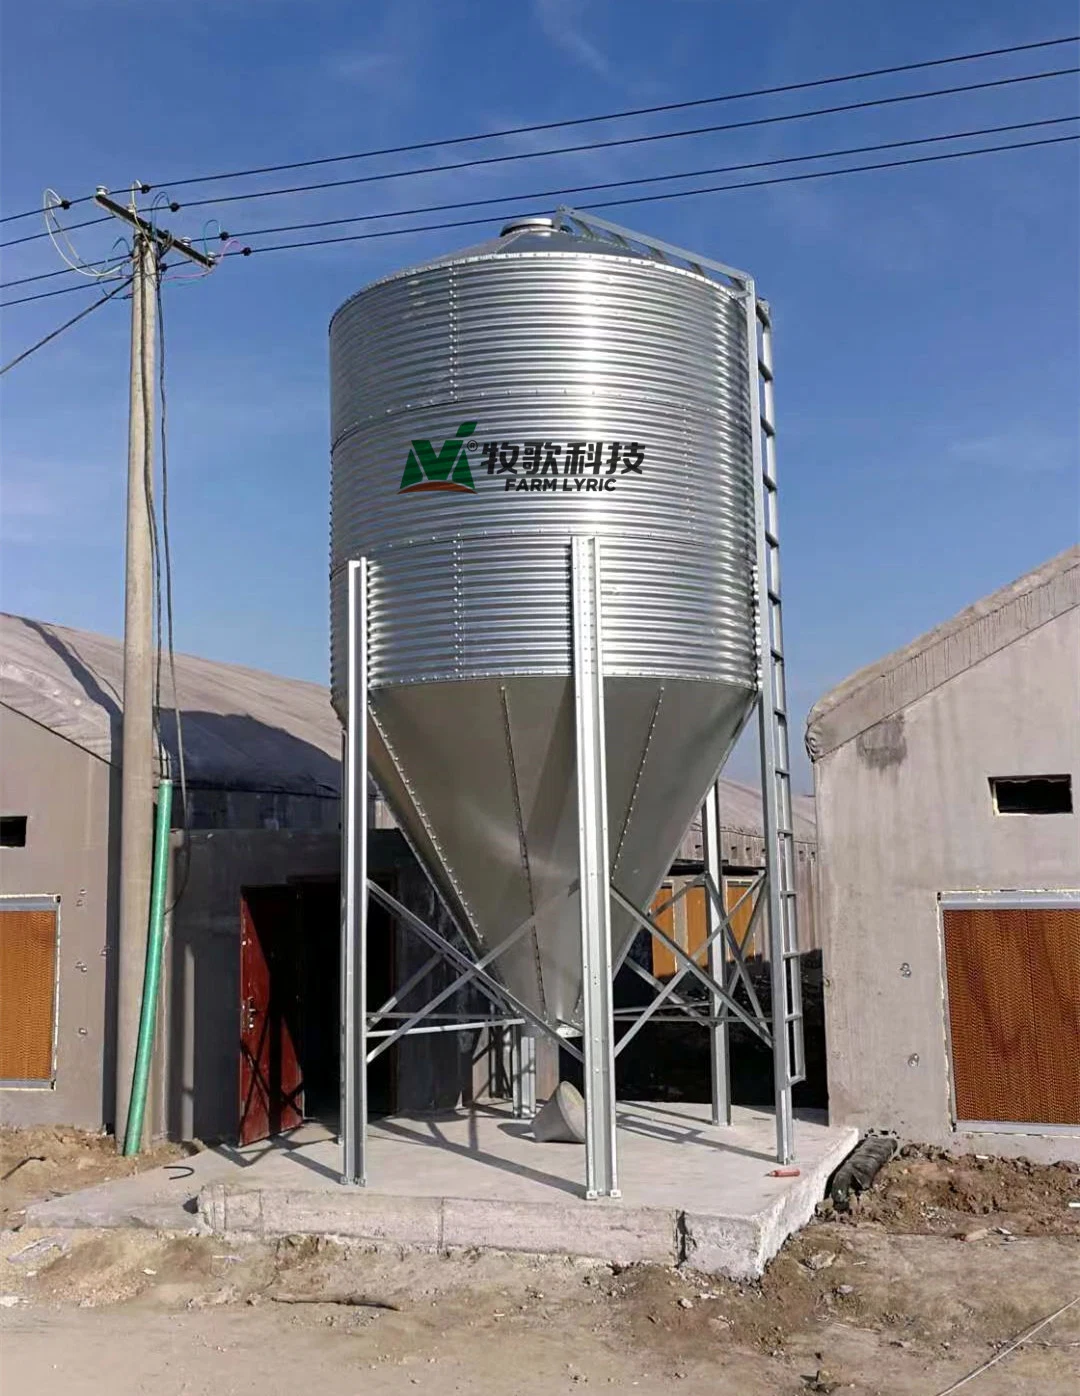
243, 729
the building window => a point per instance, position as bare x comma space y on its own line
29, 931
12, 830
1031, 794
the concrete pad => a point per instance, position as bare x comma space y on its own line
624, 1235
352, 1212
741, 1247
691, 1191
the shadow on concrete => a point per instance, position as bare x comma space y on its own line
438, 1140
654, 1129
280, 1144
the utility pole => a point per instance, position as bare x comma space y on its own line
137, 755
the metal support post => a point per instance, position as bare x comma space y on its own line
719, 1063
594, 859
354, 890
515, 1072
527, 1074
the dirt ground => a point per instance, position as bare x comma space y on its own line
46, 1162
935, 1270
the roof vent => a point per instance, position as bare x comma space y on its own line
528, 225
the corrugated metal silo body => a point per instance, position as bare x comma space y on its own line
543, 337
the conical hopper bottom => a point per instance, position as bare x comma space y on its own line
481, 776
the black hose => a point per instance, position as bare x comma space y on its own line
860, 1168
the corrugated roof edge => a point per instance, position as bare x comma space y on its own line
895, 682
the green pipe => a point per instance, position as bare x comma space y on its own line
144, 1053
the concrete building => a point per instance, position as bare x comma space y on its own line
949, 858
261, 758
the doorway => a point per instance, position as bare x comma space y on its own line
290, 1006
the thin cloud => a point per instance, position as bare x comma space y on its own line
560, 22
368, 70
1017, 452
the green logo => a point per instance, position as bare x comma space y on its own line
447, 469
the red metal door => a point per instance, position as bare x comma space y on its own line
271, 1086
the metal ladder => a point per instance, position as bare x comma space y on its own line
790, 1059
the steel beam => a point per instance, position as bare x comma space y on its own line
459, 983
527, 1074
499, 993
719, 1063
719, 995
354, 889
692, 966
601, 1177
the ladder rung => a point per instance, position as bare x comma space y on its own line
767, 427
774, 596
771, 539
769, 480
765, 371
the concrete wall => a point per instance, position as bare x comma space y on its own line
64, 792
904, 812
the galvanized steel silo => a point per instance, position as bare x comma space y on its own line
487, 406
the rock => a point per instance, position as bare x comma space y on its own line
975, 1234
822, 1381
845, 1289
820, 1260
685, 1303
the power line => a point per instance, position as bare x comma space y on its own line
532, 129
565, 192
619, 141
613, 203
45, 295
71, 228
644, 179
66, 325
590, 147
47, 275
678, 194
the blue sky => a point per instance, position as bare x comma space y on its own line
926, 319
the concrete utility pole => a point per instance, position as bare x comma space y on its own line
137, 757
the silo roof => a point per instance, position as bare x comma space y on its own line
529, 238
892, 684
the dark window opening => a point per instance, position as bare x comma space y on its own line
1032, 794
13, 831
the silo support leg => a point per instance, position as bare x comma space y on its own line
523, 1057
354, 894
719, 1063
599, 1029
